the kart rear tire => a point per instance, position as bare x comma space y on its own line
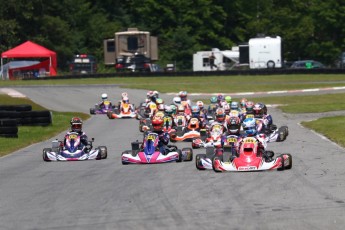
189, 156
286, 130
109, 114
45, 157
198, 158
281, 134
104, 152
290, 162
180, 156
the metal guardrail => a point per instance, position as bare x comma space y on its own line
196, 73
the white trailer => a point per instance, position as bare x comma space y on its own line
265, 52
225, 59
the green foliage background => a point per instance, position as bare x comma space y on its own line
311, 29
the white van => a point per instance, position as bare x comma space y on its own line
265, 52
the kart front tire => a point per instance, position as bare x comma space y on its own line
289, 166
104, 152
45, 157
198, 158
180, 156
189, 156
92, 111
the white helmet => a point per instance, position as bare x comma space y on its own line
104, 96
177, 101
156, 94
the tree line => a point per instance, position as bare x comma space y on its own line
311, 29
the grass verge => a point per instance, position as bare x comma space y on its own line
330, 127
28, 135
205, 84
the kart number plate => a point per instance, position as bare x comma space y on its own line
249, 140
232, 140
73, 136
151, 137
250, 116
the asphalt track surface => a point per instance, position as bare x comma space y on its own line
108, 195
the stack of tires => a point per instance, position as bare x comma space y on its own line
8, 127
13, 115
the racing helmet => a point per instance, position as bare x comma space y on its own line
249, 107
249, 126
156, 94
258, 110
220, 115
159, 101
243, 102
149, 94
200, 104
173, 108
125, 100
234, 125
76, 124
168, 110
157, 123
228, 99
104, 96
220, 98
264, 108
234, 105
177, 101
213, 99
195, 111
226, 108
124, 94
183, 95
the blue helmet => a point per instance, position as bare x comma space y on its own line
195, 111
249, 126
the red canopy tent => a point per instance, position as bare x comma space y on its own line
32, 50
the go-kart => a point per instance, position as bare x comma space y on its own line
145, 110
148, 152
249, 158
73, 150
204, 161
214, 138
102, 109
188, 133
126, 111
272, 132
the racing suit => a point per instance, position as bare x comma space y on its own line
83, 140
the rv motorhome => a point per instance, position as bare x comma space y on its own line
224, 59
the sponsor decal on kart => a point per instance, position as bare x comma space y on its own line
247, 168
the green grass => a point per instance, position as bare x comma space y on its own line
330, 127
207, 84
28, 135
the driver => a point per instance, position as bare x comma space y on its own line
76, 127
104, 97
163, 137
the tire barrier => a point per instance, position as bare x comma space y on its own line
13, 115
17, 108
8, 131
36, 118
